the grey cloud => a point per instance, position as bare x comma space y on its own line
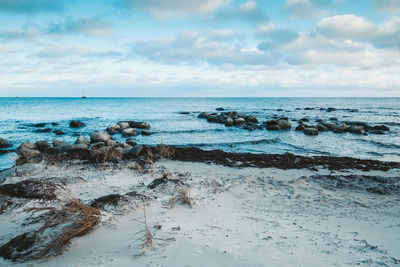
162, 9
194, 47
61, 51
20, 34
391, 7
248, 11
305, 9
85, 25
31, 6
276, 37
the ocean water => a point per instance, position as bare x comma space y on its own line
171, 127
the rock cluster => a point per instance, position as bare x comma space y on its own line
233, 118
4, 143
129, 128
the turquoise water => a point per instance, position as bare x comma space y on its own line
173, 128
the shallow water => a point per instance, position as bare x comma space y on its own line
173, 128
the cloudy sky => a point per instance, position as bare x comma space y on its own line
200, 48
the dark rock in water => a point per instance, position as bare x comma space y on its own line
341, 128
376, 132
380, 127
309, 108
355, 129
204, 115
329, 125
251, 118
319, 120
96, 137
30, 189
114, 129
76, 124
273, 127
124, 125
129, 132
4, 143
42, 146
45, 130
146, 133
333, 119
220, 109
82, 140
140, 125
42, 124
279, 109
229, 122
297, 108
322, 128
131, 141
238, 121
108, 200
58, 132
304, 120
300, 127
311, 131
330, 109
18, 247
284, 124
54, 123
184, 112
353, 110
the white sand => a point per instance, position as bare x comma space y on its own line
240, 217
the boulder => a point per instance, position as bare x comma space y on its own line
140, 125
273, 127
123, 125
376, 132
238, 121
330, 109
114, 129
311, 131
380, 128
76, 124
81, 149
219, 109
204, 115
229, 122
98, 145
41, 124
355, 129
42, 146
96, 137
135, 151
45, 130
304, 120
131, 141
4, 143
56, 143
322, 128
28, 150
333, 119
82, 140
329, 125
145, 132
251, 118
58, 132
62, 147
300, 127
284, 124
129, 132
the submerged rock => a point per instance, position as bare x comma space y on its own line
356, 129
4, 143
96, 137
129, 132
140, 125
76, 124
311, 131
114, 129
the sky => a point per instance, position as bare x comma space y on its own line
213, 48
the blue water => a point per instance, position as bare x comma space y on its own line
173, 128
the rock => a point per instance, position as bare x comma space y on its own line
311, 131
330, 109
114, 129
329, 125
380, 127
340, 128
58, 132
309, 108
322, 128
353, 110
279, 109
131, 141
184, 112
45, 130
356, 129
96, 137
82, 140
238, 121
54, 123
129, 132
123, 125
144, 132
304, 120
140, 125
42, 124
297, 108
4, 143
204, 115
251, 118
135, 151
98, 145
376, 132
300, 127
56, 143
219, 109
229, 122
76, 124
28, 150
42, 146
273, 127
284, 124
333, 119
80, 148
62, 147
123, 145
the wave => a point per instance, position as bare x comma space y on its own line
254, 142
380, 144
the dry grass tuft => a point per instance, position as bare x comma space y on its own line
148, 243
74, 218
182, 196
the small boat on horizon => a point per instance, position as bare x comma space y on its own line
83, 94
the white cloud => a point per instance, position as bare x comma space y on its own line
391, 7
20, 34
305, 9
248, 11
95, 26
162, 9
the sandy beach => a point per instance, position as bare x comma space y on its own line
244, 216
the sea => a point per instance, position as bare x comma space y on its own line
171, 127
